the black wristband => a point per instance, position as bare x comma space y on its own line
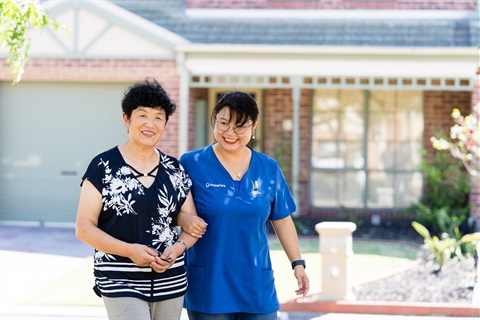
298, 263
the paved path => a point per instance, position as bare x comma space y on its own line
33, 257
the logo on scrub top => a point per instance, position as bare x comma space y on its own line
214, 185
255, 187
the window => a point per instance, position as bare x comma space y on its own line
366, 148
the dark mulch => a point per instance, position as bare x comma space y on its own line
453, 284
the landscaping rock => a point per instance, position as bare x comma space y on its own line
453, 284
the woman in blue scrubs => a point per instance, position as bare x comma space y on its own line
237, 191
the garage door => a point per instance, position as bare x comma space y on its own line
48, 134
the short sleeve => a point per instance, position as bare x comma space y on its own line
283, 204
95, 173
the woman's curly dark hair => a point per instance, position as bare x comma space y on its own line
147, 93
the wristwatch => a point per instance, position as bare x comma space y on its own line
298, 263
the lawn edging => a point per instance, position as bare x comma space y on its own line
313, 303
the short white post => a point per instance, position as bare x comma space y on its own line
335, 239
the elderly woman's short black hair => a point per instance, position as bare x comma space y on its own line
147, 93
242, 106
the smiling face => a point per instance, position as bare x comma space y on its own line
230, 135
146, 125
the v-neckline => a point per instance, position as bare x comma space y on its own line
225, 169
141, 174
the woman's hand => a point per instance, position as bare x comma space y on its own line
192, 224
302, 280
141, 255
166, 259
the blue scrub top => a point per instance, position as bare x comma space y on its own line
229, 268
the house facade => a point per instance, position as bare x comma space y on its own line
350, 93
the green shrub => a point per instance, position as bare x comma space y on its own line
444, 205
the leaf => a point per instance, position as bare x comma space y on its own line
421, 230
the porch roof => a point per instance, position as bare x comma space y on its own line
342, 62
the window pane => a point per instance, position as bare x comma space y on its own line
381, 126
380, 190
352, 154
410, 100
351, 188
323, 189
325, 126
326, 101
337, 155
393, 190
351, 116
407, 155
381, 101
409, 125
391, 155
338, 115
408, 187
327, 155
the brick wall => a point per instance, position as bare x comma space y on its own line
278, 142
336, 4
108, 71
438, 106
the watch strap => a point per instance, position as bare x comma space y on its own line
298, 263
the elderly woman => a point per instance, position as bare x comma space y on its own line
130, 200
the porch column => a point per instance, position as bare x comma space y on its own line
184, 106
296, 82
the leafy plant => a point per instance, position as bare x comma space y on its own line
464, 142
16, 17
351, 215
444, 205
441, 250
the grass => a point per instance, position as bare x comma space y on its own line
371, 260
368, 247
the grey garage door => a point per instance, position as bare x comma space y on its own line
48, 134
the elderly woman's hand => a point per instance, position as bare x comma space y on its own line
167, 258
141, 255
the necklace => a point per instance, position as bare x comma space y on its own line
239, 172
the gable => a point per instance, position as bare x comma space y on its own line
100, 29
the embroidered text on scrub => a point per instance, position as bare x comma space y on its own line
214, 185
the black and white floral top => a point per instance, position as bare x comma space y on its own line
136, 214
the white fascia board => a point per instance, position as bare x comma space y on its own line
341, 62
290, 14
326, 50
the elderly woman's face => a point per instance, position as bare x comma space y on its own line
146, 125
